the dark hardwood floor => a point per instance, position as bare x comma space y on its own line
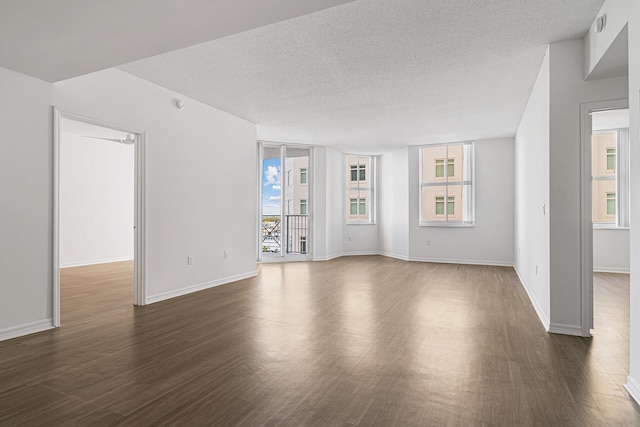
354, 341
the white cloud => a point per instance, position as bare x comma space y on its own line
274, 198
276, 187
272, 175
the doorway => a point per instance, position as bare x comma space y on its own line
285, 203
604, 154
98, 203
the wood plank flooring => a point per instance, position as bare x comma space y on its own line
355, 341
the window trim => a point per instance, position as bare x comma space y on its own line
348, 184
445, 182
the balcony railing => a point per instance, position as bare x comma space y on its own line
271, 234
296, 234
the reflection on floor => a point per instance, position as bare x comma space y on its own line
352, 341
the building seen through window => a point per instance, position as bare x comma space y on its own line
359, 187
446, 184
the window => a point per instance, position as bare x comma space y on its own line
358, 206
446, 185
303, 207
358, 172
450, 206
611, 203
440, 168
303, 244
303, 176
359, 188
610, 178
611, 159
289, 171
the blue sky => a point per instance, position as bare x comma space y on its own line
271, 194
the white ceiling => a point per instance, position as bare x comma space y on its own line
372, 75
56, 40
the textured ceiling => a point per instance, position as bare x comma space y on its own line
56, 40
372, 75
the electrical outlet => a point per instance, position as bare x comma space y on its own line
226, 253
189, 260
428, 242
349, 238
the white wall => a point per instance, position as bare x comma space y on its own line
597, 44
200, 179
335, 214
633, 13
611, 250
25, 190
568, 90
532, 195
319, 206
490, 240
394, 204
96, 201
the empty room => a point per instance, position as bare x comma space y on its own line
329, 212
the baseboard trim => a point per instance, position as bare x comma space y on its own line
94, 262
564, 329
633, 387
463, 261
396, 256
360, 253
417, 259
26, 329
199, 287
611, 270
328, 257
534, 301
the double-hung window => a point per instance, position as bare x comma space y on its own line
446, 185
359, 187
610, 178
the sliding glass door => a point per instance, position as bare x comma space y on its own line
285, 203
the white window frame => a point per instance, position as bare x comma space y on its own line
621, 176
370, 175
438, 182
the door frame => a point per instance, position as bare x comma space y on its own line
310, 203
139, 242
586, 222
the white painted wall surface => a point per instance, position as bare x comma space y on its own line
394, 204
532, 195
596, 44
490, 240
611, 250
633, 383
319, 205
200, 179
96, 201
26, 191
335, 206
568, 90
